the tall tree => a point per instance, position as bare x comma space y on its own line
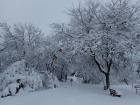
105, 32
23, 41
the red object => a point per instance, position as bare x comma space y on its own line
54, 57
60, 50
113, 92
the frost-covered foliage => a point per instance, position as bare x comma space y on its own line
22, 41
101, 43
108, 33
49, 80
25, 41
18, 76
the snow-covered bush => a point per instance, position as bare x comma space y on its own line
10, 90
32, 81
49, 81
12, 74
17, 76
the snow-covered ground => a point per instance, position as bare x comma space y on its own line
78, 94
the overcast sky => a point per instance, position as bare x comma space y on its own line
39, 12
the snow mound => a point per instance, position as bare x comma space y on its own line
119, 92
17, 76
50, 81
10, 90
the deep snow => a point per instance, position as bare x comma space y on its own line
78, 94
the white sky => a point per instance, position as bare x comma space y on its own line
41, 13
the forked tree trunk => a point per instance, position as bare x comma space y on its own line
107, 74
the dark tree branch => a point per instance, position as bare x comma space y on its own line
97, 63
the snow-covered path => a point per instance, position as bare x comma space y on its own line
79, 94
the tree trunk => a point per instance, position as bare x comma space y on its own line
62, 73
125, 81
108, 63
61, 77
107, 80
65, 77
